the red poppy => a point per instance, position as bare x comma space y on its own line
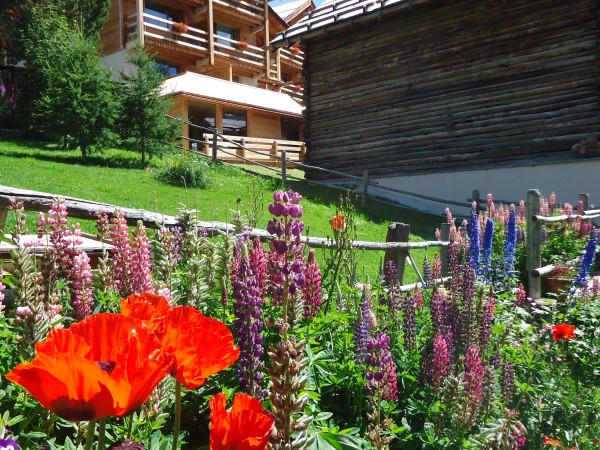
105, 365
563, 331
246, 427
201, 346
549, 441
338, 222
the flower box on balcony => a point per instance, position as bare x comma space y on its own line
180, 27
243, 44
295, 50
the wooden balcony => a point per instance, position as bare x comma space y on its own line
195, 46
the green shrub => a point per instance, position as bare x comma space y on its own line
185, 170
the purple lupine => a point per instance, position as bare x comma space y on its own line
485, 322
390, 273
248, 323
362, 328
409, 326
454, 267
474, 375
508, 382
473, 231
468, 319
510, 242
439, 316
485, 263
381, 372
587, 260
311, 291
441, 362
2, 287
140, 268
80, 282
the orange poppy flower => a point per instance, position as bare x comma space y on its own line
338, 222
549, 441
105, 365
201, 346
246, 427
563, 331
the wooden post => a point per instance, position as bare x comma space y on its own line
139, 7
241, 151
205, 146
214, 145
397, 232
534, 254
302, 153
3, 217
210, 21
283, 168
365, 187
444, 250
274, 151
585, 199
267, 40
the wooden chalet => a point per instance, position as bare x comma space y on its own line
503, 94
221, 44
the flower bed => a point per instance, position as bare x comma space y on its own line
172, 327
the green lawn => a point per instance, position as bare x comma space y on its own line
115, 177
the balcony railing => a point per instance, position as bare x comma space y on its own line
198, 41
255, 9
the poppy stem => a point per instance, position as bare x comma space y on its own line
89, 435
101, 434
177, 426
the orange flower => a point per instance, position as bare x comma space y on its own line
549, 441
105, 365
563, 331
338, 222
201, 346
246, 427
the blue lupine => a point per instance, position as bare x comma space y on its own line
510, 243
485, 263
588, 260
473, 232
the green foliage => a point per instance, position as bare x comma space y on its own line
143, 124
185, 170
76, 104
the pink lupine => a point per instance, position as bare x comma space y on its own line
140, 279
485, 321
552, 202
436, 267
568, 209
120, 252
80, 281
441, 362
474, 376
595, 286
258, 265
311, 291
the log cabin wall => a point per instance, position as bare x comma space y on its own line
454, 85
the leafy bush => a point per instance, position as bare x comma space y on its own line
185, 170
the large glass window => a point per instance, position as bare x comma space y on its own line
234, 121
168, 70
290, 128
227, 32
202, 114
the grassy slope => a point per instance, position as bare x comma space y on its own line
115, 177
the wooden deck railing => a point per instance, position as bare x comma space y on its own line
237, 149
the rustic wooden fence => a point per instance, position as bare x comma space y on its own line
396, 247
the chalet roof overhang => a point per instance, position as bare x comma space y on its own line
343, 14
204, 88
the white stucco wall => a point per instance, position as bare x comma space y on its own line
567, 180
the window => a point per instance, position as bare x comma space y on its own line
168, 70
202, 114
234, 121
159, 12
227, 32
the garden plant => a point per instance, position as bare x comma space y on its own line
176, 339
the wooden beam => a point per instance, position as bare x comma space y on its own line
139, 7
199, 12
267, 40
202, 62
257, 29
211, 33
